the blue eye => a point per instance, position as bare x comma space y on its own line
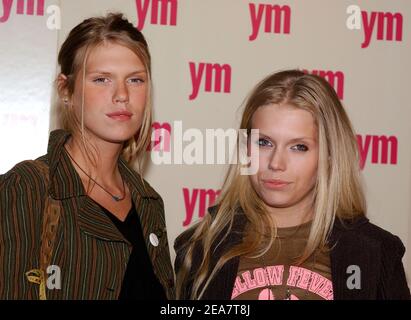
300, 147
100, 80
136, 80
264, 142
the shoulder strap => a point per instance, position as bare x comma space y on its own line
51, 217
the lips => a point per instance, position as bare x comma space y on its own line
123, 115
275, 183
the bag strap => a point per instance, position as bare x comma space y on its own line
51, 217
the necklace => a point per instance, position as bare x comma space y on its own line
114, 197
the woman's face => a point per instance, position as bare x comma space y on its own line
115, 90
288, 156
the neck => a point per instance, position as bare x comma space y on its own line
105, 156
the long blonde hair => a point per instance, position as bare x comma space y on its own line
72, 58
338, 190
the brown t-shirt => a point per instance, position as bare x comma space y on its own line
276, 276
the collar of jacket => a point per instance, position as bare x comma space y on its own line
240, 221
221, 286
66, 183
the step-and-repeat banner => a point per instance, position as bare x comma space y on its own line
207, 55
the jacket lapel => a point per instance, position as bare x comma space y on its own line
148, 208
66, 184
222, 284
349, 253
94, 222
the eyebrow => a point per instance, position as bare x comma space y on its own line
109, 73
291, 140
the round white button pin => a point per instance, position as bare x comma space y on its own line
153, 239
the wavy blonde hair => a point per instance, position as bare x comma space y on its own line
338, 191
72, 58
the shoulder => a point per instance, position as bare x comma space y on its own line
25, 173
186, 237
22, 191
183, 239
363, 229
389, 242
238, 223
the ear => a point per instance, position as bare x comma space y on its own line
62, 86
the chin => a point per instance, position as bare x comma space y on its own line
120, 139
119, 135
277, 202
115, 138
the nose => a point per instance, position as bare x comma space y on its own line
278, 160
121, 94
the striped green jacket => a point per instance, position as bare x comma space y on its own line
90, 252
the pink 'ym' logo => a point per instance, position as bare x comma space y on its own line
212, 73
163, 12
276, 19
23, 7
